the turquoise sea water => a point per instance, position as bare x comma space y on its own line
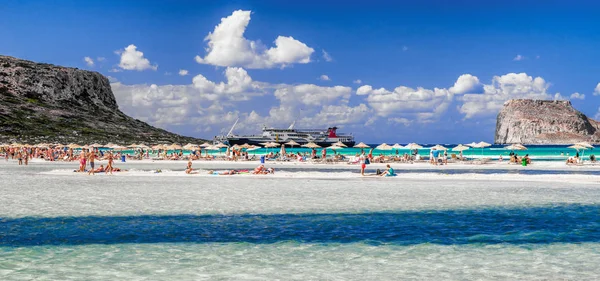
539, 152
142, 226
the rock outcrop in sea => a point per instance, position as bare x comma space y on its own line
544, 122
47, 103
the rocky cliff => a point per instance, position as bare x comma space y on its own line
544, 122
47, 103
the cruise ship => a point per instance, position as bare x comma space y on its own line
322, 137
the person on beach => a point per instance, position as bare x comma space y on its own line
101, 169
82, 162
363, 164
389, 172
26, 157
91, 158
189, 169
20, 158
109, 166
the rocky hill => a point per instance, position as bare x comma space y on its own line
47, 103
544, 122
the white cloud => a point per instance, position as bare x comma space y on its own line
206, 103
309, 94
324, 78
100, 58
404, 48
89, 61
403, 121
422, 104
577, 96
115, 70
503, 88
467, 83
132, 59
228, 47
597, 90
364, 90
183, 72
357, 81
519, 58
327, 57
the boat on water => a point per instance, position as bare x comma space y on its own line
322, 137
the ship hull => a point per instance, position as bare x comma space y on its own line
241, 141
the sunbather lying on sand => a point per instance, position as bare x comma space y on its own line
261, 170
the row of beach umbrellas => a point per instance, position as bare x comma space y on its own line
335, 146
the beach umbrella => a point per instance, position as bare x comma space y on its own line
118, 147
292, 143
247, 146
586, 144
270, 144
397, 146
141, 145
273, 144
384, 146
412, 146
578, 147
340, 144
362, 145
311, 145
460, 147
96, 145
190, 146
439, 147
481, 145
206, 144
133, 145
253, 147
334, 147
174, 146
473, 144
158, 146
16, 144
220, 145
73, 145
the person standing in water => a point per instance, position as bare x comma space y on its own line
109, 166
363, 164
91, 158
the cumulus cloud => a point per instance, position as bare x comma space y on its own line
183, 72
324, 78
327, 57
467, 83
357, 81
89, 61
503, 88
577, 96
227, 46
597, 90
518, 58
207, 106
100, 58
132, 59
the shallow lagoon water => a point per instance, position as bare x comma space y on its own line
59, 225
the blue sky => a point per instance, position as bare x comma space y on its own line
408, 56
